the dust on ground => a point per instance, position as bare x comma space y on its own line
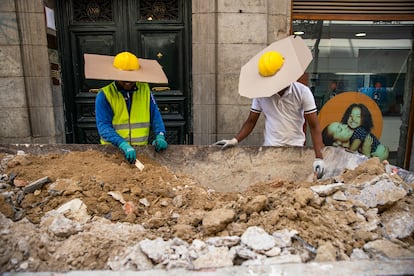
156, 193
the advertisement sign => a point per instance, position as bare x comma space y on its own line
353, 120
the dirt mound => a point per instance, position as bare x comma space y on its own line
93, 176
165, 203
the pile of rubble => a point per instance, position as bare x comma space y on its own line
362, 214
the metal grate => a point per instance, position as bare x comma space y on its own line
92, 10
159, 10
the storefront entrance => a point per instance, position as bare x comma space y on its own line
365, 48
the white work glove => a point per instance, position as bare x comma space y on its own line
318, 167
226, 143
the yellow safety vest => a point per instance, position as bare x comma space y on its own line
134, 127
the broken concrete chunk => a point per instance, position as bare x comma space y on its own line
117, 196
245, 253
75, 210
217, 220
282, 259
339, 196
359, 254
37, 185
144, 202
379, 194
326, 253
64, 227
387, 249
216, 257
283, 238
223, 241
257, 239
398, 224
131, 259
326, 190
157, 250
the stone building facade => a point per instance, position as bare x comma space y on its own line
31, 109
225, 35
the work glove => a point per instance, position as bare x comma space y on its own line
130, 153
318, 167
227, 143
159, 143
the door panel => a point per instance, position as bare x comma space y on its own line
165, 47
149, 29
92, 44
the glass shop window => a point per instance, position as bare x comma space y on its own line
365, 56
370, 57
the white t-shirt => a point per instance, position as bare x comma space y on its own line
285, 115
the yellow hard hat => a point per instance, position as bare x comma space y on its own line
126, 61
269, 63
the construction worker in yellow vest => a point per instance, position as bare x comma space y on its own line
126, 110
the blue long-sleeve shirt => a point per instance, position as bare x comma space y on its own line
104, 115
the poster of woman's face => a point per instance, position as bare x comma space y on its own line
353, 120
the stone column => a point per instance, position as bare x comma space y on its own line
14, 117
279, 21
242, 32
226, 34
36, 71
204, 27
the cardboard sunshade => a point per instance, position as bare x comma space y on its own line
101, 67
297, 57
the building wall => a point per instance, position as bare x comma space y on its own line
30, 111
226, 34
204, 70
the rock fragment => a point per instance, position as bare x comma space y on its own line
36, 185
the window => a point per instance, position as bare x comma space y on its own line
369, 57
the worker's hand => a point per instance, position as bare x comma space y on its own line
130, 153
159, 143
318, 167
226, 143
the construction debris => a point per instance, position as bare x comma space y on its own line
108, 215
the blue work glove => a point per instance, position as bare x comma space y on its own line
130, 153
318, 167
159, 143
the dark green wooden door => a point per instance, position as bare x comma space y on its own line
150, 29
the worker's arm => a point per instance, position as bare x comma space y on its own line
315, 130
157, 124
245, 130
104, 115
158, 127
248, 126
316, 134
